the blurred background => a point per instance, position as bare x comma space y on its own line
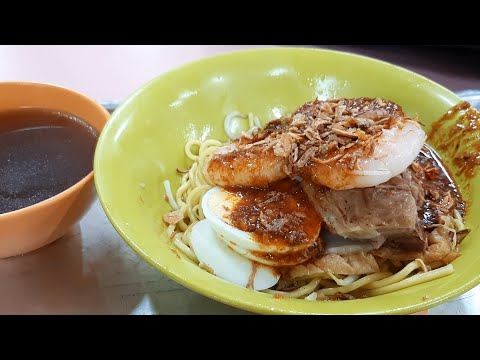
455, 67
114, 71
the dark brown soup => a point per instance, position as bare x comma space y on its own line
42, 153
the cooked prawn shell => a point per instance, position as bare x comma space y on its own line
372, 163
238, 165
340, 143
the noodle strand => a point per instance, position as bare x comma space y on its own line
413, 280
301, 291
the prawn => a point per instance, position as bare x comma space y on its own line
235, 165
340, 143
371, 164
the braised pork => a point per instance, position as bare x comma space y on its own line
388, 211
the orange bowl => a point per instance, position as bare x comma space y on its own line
37, 225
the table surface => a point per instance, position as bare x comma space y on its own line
91, 270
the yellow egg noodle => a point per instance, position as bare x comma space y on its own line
187, 201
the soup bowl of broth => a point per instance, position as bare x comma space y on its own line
48, 136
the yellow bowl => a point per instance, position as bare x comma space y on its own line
142, 145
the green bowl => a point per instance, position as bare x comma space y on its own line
143, 143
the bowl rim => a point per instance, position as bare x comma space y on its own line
80, 183
240, 302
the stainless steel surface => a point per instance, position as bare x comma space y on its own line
110, 105
92, 270
472, 96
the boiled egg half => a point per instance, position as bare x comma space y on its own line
227, 264
217, 206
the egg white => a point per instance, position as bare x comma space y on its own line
216, 206
225, 262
